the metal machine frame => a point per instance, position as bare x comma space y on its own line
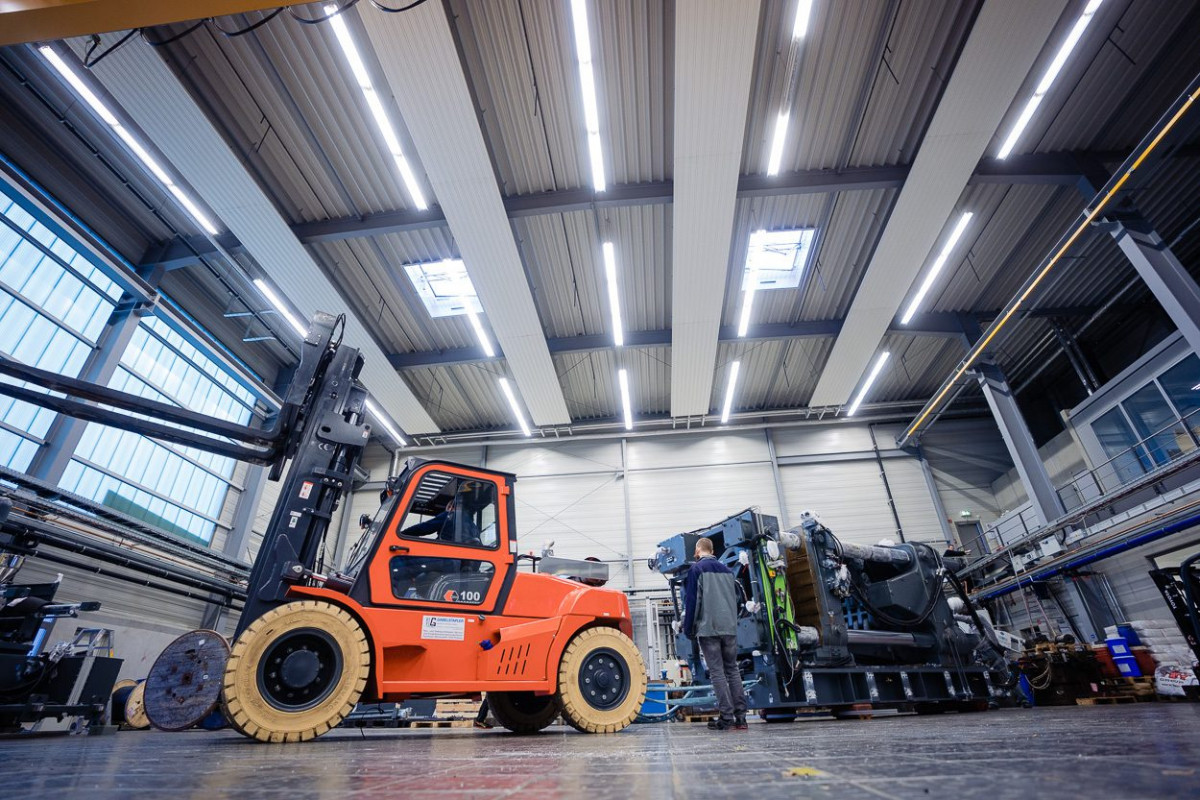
826, 623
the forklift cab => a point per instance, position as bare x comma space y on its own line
441, 538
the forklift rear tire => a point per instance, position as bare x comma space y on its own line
601, 681
523, 712
296, 672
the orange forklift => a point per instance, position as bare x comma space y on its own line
430, 602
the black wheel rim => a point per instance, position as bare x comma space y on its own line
299, 669
604, 679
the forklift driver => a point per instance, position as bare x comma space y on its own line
459, 521
443, 524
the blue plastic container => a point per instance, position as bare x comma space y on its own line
1127, 666
1118, 646
656, 698
1130, 635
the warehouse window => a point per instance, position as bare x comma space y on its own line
55, 302
1151, 426
176, 488
53, 305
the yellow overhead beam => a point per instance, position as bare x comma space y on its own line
42, 20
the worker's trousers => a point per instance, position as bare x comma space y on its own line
720, 654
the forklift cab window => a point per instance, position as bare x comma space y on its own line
453, 510
369, 527
442, 580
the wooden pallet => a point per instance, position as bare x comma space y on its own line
855, 711
1114, 699
456, 709
694, 716
441, 723
1128, 686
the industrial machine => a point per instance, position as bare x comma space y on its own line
828, 623
430, 602
72, 680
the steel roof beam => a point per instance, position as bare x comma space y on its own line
1056, 169
943, 324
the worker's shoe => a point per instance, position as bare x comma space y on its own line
739, 723
483, 726
720, 724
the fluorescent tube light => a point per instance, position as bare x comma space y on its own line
385, 423
937, 266
84, 91
484, 342
781, 127
803, 12
623, 377
879, 362
729, 387
382, 122
614, 300
281, 307
1049, 76
516, 409
587, 84
1019, 127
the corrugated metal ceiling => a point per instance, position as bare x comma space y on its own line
870, 77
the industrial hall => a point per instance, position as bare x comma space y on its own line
600, 399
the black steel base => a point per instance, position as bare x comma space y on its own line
884, 686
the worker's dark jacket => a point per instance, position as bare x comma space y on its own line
709, 600
443, 525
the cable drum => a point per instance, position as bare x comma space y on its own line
184, 685
120, 696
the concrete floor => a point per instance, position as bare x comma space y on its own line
1148, 750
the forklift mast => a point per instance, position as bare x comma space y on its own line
320, 428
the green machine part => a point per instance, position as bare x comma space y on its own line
778, 601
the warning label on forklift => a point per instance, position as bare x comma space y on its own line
443, 627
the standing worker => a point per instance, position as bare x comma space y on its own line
710, 616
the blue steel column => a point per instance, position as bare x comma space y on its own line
1161, 271
246, 512
238, 539
1019, 441
64, 434
1176, 291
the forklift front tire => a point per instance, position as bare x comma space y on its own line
601, 681
296, 672
523, 712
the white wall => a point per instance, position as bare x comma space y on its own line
967, 457
578, 492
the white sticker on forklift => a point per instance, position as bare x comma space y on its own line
443, 628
